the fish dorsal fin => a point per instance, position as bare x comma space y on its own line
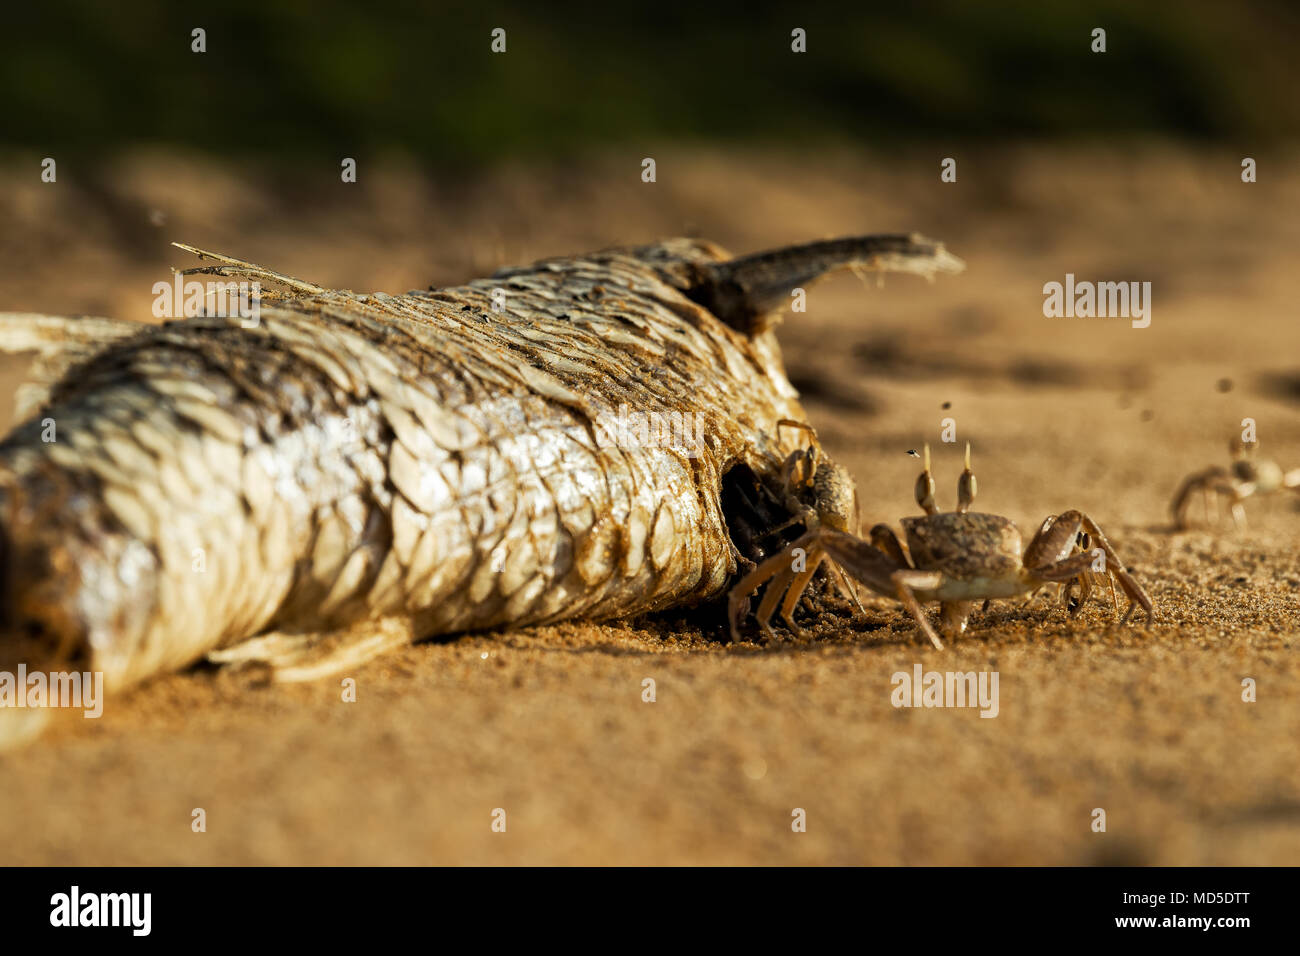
747, 292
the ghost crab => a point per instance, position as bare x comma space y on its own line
1248, 475
956, 558
822, 497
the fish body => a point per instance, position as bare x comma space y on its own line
544, 444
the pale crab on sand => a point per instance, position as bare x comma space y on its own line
1249, 475
956, 558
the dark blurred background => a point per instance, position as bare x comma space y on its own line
296, 77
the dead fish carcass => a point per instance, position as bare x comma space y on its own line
358, 470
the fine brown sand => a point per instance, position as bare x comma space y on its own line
549, 723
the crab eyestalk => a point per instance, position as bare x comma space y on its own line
925, 488
808, 457
966, 486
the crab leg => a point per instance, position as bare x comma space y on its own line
772, 597
797, 587
1065, 527
1211, 481
845, 588
883, 537
776, 569
880, 572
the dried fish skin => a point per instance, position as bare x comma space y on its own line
442, 457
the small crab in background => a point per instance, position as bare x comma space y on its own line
957, 558
1248, 475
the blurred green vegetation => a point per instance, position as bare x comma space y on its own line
294, 76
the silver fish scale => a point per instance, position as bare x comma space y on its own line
421, 455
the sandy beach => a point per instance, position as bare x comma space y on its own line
549, 724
